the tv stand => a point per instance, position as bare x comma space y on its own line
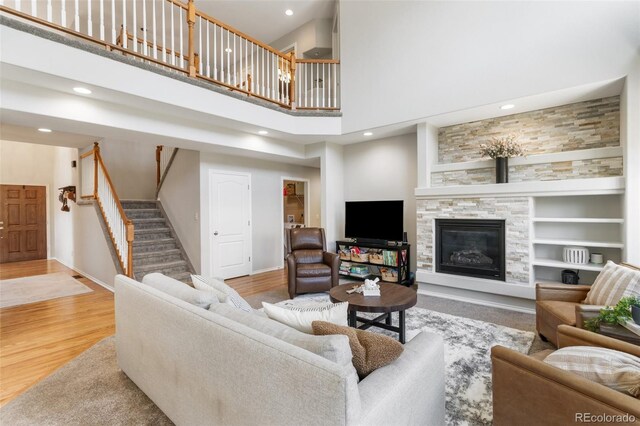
392, 266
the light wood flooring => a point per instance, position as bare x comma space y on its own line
38, 338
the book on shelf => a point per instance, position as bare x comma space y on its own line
632, 327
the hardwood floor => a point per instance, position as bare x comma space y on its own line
38, 338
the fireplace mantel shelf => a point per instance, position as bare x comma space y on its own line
605, 185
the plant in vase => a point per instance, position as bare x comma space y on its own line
618, 314
501, 149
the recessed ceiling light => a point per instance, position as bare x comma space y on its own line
228, 50
507, 106
288, 12
263, 132
44, 130
367, 134
82, 90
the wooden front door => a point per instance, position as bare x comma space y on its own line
23, 223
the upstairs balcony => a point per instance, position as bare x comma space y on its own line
177, 36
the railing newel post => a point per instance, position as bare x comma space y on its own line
130, 237
191, 20
158, 164
292, 83
96, 154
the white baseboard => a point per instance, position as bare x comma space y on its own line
468, 298
262, 271
84, 274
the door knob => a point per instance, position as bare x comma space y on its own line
215, 233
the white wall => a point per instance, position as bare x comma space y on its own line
266, 201
630, 140
132, 167
315, 33
180, 197
384, 169
404, 60
332, 175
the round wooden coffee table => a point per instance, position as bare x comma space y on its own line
393, 298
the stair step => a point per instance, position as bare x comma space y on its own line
143, 213
164, 268
138, 204
156, 257
149, 223
152, 234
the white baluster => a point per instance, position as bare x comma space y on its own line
49, 11
89, 20
144, 28
34, 8
18, 6
102, 20
125, 41
208, 24
173, 52
235, 68
114, 36
200, 45
262, 78
63, 13
228, 50
181, 39
134, 19
163, 30
215, 51
155, 41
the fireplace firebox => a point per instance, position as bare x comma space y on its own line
471, 247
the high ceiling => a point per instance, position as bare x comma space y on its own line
265, 20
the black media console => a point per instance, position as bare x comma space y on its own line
362, 260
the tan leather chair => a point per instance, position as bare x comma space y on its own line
558, 304
526, 391
311, 268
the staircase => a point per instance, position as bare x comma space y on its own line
155, 247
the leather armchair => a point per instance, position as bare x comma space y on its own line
311, 268
558, 304
526, 391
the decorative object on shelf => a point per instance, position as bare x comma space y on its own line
291, 218
597, 258
371, 287
570, 277
501, 149
67, 193
577, 255
619, 314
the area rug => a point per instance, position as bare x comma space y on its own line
467, 355
20, 291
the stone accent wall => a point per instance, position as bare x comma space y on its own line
598, 167
583, 125
515, 210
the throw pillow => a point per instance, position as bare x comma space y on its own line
231, 296
612, 284
180, 290
617, 370
370, 350
301, 318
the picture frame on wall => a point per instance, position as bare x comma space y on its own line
291, 218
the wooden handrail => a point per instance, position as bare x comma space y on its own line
113, 189
318, 61
158, 165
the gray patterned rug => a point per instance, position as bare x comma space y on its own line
467, 355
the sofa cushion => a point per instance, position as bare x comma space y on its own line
564, 312
309, 270
218, 286
333, 348
370, 350
301, 317
180, 290
612, 284
617, 370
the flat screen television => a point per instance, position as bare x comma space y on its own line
374, 220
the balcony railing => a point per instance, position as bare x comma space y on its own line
177, 36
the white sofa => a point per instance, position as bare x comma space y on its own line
201, 367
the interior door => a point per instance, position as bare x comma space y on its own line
230, 224
23, 223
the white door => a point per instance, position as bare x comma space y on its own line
230, 224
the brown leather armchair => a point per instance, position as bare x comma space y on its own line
311, 268
558, 304
526, 391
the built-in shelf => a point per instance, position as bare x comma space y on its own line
577, 220
606, 244
553, 263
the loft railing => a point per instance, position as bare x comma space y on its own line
177, 36
96, 184
164, 159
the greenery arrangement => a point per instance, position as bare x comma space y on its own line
504, 147
618, 314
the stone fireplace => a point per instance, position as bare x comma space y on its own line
470, 247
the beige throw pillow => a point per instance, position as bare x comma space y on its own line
218, 286
180, 290
617, 370
612, 284
370, 350
301, 318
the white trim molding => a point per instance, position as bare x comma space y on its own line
520, 290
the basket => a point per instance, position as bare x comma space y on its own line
389, 275
376, 258
359, 257
575, 255
345, 255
